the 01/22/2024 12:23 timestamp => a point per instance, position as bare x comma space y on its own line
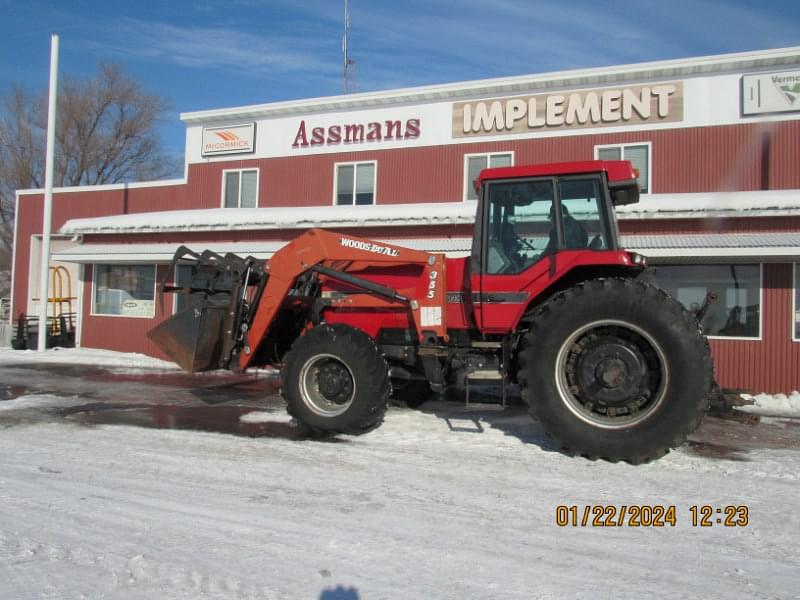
646, 515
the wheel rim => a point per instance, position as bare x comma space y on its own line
611, 374
327, 385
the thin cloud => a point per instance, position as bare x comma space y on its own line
515, 37
211, 47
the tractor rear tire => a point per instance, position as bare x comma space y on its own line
615, 369
335, 380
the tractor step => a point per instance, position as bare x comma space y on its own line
486, 375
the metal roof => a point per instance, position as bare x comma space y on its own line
161, 253
705, 247
680, 247
653, 206
740, 241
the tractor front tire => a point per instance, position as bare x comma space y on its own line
615, 369
335, 380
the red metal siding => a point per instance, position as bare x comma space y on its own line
702, 159
772, 364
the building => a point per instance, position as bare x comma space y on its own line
716, 141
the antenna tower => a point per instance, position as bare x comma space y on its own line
349, 64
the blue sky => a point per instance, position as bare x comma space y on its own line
205, 54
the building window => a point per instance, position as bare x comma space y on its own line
638, 154
124, 290
354, 183
475, 163
796, 304
737, 310
240, 188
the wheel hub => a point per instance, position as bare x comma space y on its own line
335, 383
610, 370
611, 373
327, 385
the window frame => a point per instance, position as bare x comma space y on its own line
795, 307
355, 164
622, 147
760, 336
92, 309
488, 155
240, 171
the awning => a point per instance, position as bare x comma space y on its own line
705, 247
163, 253
769, 203
723, 247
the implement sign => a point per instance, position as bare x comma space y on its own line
633, 105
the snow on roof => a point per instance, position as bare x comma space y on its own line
714, 204
224, 219
651, 206
684, 247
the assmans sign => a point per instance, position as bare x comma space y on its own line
230, 139
633, 105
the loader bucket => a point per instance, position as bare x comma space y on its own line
194, 337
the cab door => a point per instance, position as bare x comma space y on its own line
517, 236
533, 231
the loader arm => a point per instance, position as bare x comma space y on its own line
324, 252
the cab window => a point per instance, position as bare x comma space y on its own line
581, 216
520, 229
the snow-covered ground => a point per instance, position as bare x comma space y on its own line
773, 405
85, 356
440, 503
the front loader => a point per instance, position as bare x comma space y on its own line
609, 364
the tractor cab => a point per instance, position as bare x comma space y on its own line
525, 215
535, 223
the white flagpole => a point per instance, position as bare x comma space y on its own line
44, 292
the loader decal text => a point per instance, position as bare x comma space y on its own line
432, 278
368, 246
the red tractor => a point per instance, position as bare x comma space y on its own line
611, 365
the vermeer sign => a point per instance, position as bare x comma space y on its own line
772, 92
232, 139
634, 105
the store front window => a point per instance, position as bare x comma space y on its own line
475, 163
240, 188
354, 183
737, 310
124, 290
638, 154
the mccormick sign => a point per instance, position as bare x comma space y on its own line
632, 105
771, 93
233, 139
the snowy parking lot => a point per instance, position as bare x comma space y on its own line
120, 478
